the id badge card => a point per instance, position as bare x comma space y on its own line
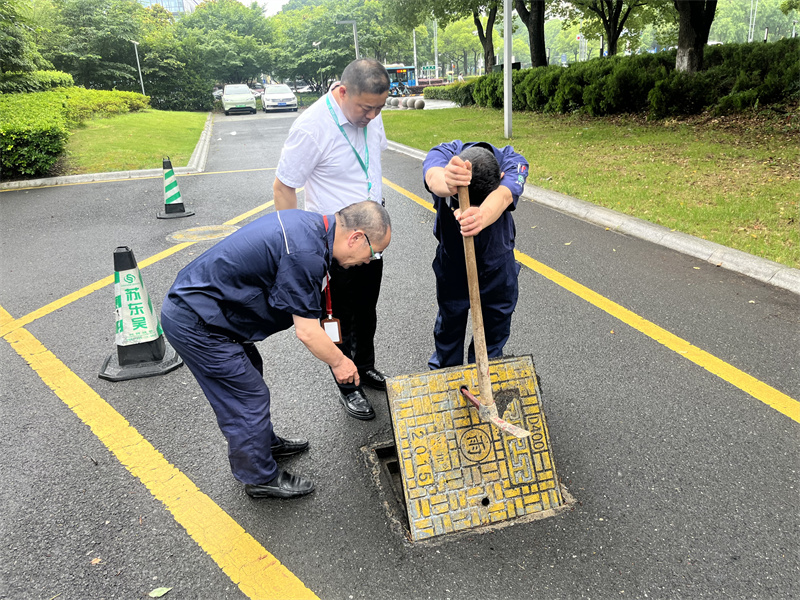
333, 329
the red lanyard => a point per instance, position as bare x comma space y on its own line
328, 305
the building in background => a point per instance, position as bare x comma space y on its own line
176, 7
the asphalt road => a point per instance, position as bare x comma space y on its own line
670, 387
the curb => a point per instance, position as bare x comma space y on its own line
197, 164
718, 255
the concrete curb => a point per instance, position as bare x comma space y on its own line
737, 261
197, 164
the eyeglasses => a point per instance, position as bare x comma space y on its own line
372, 254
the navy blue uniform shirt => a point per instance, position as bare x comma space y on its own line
248, 285
493, 244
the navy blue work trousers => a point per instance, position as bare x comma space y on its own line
499, 292
354, 295
231, 376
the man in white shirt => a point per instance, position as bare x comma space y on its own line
334, 151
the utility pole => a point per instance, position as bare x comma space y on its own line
141, 81
355, 32
436, 46
507, 47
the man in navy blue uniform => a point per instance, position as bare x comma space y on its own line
260, 280
496, 179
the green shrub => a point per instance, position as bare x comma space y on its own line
34, 127
34, 81
736, 76
488, 90
33, 133
460, 92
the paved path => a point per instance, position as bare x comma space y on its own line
670, 386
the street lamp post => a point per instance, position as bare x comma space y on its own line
319, 70
141, 81
355, 32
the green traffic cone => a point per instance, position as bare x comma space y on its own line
173, 203
142, 350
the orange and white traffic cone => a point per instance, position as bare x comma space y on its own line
142, 350
173, 202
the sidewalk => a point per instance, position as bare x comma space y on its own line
737, 261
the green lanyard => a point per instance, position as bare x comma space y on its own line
364, 167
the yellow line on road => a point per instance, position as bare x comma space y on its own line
257, 572
784, 404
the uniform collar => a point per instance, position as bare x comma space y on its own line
329, 237
340, 116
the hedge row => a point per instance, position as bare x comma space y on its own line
736, 76
35, 81
34, 127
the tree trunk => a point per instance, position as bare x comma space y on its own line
694, 23
534, 21
613, 19
486, 36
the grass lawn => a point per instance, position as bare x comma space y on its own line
733, 181
133, 141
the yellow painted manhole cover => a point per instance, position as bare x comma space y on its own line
458, 472
202, 234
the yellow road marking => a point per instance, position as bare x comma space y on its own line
784, 404
248, 564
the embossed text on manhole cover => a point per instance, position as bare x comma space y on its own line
459, 472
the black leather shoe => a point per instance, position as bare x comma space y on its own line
373, 378
283, 485
356, 405
286, 447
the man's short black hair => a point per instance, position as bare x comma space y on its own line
485, 173
365, 76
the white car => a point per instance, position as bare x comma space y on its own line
278, 97
237, 97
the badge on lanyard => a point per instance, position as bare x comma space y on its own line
330, 325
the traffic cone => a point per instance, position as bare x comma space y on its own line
173, 204
142, 350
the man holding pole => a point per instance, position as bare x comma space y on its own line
495, 178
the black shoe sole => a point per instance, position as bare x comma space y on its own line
287, 453
355, 415
280, 494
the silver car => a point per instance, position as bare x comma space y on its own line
237, 97
278, 97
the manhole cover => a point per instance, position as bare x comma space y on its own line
202, 234
459, 473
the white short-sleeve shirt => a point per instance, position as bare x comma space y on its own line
318, 156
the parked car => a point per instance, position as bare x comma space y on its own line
278, 97
217, 94
237, 97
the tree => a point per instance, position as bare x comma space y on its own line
232, 39
534, 21
96, 46
694, 23
413, 12
18, 50
614, 18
